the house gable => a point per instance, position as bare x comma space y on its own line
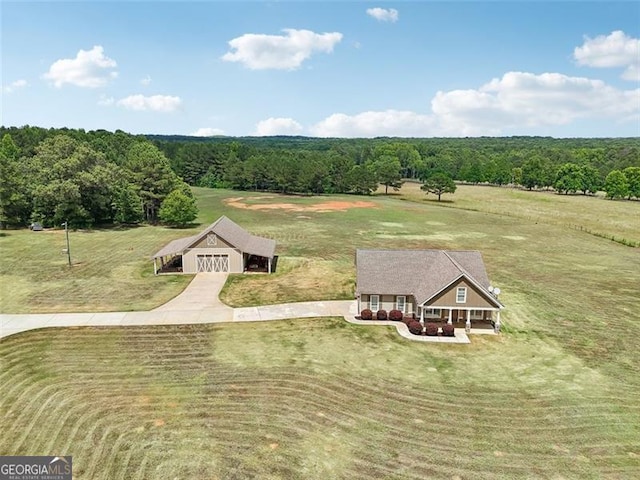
474, 298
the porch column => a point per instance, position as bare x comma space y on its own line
450, 321
155, 267
467, 324
422, 315
497, 325
269, 261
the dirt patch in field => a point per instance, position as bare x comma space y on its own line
322, 207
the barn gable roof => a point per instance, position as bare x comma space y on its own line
230, 232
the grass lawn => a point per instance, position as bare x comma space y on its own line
554, 396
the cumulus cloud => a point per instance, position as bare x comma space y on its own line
90, 69
516, 103
146, 81
155, 103
281, 52
278, 126
13, 86
207, 132
614, 50
388, 123
383, 14
524, 99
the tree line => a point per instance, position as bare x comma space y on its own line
100, 177
312, 165
86, 179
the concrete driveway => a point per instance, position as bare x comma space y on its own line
199, 303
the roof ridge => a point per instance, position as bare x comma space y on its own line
456, 264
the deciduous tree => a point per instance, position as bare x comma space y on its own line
439, 183
616, 185
178, 209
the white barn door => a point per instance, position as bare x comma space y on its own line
212, 263
204, 263
221, 263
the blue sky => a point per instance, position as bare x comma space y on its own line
345, 69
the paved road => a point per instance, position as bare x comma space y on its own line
199, 303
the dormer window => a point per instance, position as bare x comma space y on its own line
461, 295
212, 240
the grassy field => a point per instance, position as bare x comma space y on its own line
555, 396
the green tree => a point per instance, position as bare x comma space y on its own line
568, 178
616, 185
361, 180
14, 206
590, 181
151, 173
127, 205
632, 174
439, 183
387, 171
70, 181
178, 209
516, 176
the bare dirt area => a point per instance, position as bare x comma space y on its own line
321, 207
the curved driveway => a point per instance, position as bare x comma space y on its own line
199, 303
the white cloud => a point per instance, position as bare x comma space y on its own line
281, 52
105, 101
383, 14
155, 103
520, 99
514, 104
90, 69
207, 132
389, 123
13, 86
278, 126
146, 81
614, 50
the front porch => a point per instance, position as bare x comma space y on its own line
467, 318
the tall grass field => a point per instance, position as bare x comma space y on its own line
554, 396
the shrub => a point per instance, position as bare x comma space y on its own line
381, 315
448, 330
395, 315
366, 314
415, 327
432, 329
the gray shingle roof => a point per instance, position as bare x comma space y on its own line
230, 232
421, 273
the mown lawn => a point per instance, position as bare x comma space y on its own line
554, 396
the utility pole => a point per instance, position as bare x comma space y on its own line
66, 231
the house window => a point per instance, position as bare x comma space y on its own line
374, 303
401, 303
212, 240
432, 312
461, 295
476, 313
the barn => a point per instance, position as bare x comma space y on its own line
222, 247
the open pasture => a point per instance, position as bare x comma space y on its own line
554, 396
